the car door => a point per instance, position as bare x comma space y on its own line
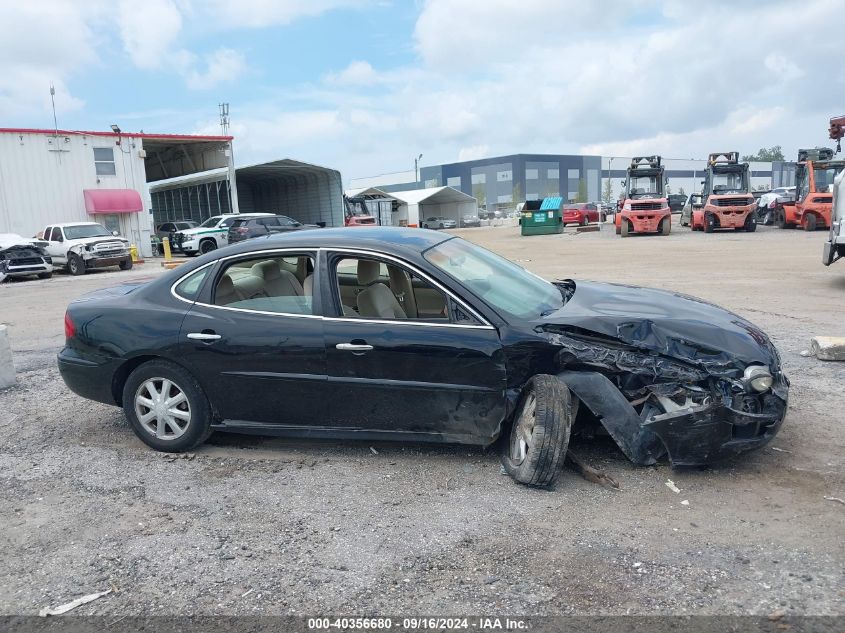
55, 245
254, 338
440, 375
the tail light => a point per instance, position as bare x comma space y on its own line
70, 328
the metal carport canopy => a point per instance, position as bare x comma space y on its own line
305, 192
433, 195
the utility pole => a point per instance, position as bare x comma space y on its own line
230, 154
417, 169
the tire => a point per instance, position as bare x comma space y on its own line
809, 222
624, 228
539, 435
75, 264
665, 226
440, 226
126, 264
45, 275
584, 220
425, 226
709, 223
750, 223
206, 246
197, 428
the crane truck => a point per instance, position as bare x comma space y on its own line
726, 201
645, 208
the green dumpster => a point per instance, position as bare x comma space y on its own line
541, 217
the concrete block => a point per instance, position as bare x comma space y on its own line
828, 347
7, 368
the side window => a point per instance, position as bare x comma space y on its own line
374, 289
104, 161
269, 221
279, 284
189, 288
57, 234
48, 232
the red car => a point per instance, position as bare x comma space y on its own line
580, 213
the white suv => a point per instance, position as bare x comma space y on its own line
209, 235
83, 245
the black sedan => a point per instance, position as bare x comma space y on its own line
409, 334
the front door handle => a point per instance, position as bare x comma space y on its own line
353, 347
204, 336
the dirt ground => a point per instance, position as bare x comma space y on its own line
267, 526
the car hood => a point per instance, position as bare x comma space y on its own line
663, 322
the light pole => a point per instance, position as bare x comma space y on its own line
417, 169
230, 160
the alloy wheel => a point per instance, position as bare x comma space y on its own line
521, 436
162, 408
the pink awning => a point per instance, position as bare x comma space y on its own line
112, 201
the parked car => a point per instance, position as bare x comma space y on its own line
23, 257
81, 246
408, 334
249, 226
767, 203
677, 201
439, 222
580, 213
166, 229
470, 219
209, 235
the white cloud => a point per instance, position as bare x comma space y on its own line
222, 65
149, 33
359, 73
474, 152
264, 13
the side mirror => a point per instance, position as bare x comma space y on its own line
115, 233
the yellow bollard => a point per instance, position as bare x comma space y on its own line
165, 242
133, 251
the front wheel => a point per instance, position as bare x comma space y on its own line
539, 435
207, 246
624, 228
45, 275
126, 264
166, 407
75, 264
665, 226
440, 226
709, 223
750, 224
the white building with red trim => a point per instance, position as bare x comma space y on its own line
52, 176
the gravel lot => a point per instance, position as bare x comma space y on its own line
267, 526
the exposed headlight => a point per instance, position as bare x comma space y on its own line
626, 206
758, 378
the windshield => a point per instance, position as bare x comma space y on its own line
824, 177
508, 288
82, 231
211, 222
644, 187
729, 182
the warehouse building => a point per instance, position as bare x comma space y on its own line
502, 182
132, 182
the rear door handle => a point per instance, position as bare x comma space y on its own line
203, 336
353, 347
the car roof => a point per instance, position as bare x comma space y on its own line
62, 224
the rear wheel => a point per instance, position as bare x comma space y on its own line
75, 264
206, 246
539, 435
624, 228
709, 223
166, 407
809, 222
665, 226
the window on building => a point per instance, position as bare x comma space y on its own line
574, 173
104, 161
553, 173
504, 176
505, 198
479, 179
454, 181
531, 174
573, 196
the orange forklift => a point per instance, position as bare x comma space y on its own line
645, 208
726, 201
814, 174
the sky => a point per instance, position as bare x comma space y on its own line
365, 86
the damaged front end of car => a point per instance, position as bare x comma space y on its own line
20, 260
698, 404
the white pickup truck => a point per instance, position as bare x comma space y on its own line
834, 247
79, 246
211, 234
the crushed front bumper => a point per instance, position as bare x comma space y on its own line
694, 436
103, 262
